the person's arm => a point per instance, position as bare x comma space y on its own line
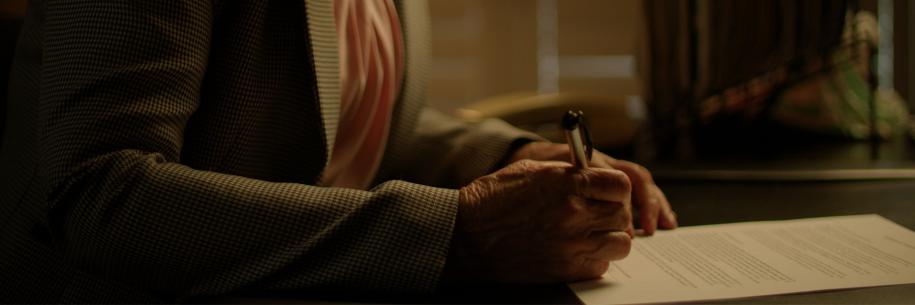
121, 79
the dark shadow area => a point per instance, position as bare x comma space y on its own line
9, 32
449, 294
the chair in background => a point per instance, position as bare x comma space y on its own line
614, 120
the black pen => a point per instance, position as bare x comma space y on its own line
578, 138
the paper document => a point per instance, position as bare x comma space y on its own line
757, 258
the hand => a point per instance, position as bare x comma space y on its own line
536, 221
654, 209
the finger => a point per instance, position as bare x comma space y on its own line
608, 216
594, 269
668, 217
610, 246
645, 195
550, 168
571, 219
591, 255
579, 269
602, 245
649, 209
602, 184
601, 159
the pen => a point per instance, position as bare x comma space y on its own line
578, 138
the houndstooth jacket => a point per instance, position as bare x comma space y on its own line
159, 150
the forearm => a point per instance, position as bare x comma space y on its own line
450, 153
178, 231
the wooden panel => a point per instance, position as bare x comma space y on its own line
508, 47
452, 27
588, 27
448, 94
482, 48
447, 8
607, 86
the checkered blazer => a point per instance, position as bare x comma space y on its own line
160, 150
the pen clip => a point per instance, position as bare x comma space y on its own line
585, 135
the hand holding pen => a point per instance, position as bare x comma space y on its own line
542, 221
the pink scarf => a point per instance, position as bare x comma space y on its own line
371, 72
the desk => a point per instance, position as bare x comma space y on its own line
710, 202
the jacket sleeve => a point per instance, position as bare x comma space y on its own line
455, 152
120, 80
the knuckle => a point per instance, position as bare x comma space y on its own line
567, 221
627, 184
624, 245
615, 206
644, 173
652, 203
539, 168
637, 171
575, 206
604, 184
526, 164
580, 183
554, 171
641, 170
611, 211
626, 217
622, 181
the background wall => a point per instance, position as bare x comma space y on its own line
483, 48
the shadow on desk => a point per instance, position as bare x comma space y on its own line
464, 294
711, 202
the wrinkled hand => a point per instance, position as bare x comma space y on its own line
536, 221
654, 209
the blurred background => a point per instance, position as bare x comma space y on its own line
689, 84
685, 84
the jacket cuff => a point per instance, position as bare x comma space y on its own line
419, 261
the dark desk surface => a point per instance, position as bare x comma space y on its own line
710, 202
